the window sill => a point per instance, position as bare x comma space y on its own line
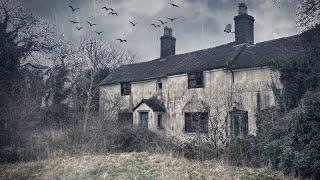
194, 132
196, 87
125, 94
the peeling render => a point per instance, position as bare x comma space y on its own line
220, 91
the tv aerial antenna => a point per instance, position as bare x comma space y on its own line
228, 29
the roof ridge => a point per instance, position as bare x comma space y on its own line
227, 55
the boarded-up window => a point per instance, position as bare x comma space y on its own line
125, 89
195, 80
196, 122
126, 119
238, 123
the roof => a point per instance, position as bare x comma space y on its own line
227, 55
153, 103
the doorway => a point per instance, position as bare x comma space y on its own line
143, 120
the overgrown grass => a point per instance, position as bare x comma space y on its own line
130, 166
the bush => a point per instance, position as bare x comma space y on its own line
131, 139
294, 142
197, 150
245, 152
137, 140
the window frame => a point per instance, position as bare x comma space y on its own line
125, 88
198, 77
240, 128
194, 125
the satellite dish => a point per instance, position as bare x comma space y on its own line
228, 28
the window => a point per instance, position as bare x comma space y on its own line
196, 122
160, 124
258, 102
125, 89
195, 80
126, 119
159, 85
238, 123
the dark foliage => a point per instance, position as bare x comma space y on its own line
138, 139
195, 150
299, 75
294, 142
245, 151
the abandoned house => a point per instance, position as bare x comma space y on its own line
221, 87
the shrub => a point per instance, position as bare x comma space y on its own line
294, 142
131, 139
197, 150
245, 152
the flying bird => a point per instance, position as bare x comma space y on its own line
107, 9
121, 40
113, 13
99, 32
174, 5
155, 25
75, 22
133, 24
91, 24
79, 28
73, 9
162, 22
172, 19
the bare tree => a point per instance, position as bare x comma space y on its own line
308, 12
21, 34
95, 54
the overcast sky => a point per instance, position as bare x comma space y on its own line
200, 25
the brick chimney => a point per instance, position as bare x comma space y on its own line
168, 43
244, 26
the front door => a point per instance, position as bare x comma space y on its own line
143, 121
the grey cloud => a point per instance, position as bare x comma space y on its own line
201, 26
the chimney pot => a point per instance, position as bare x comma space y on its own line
167, 31
243, 9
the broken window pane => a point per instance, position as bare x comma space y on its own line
195, 80
196, 122
125, 89
238, 123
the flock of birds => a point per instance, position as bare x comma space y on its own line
110, 11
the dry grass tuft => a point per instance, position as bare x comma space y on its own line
130, 166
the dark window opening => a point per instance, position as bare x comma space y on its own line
159, 84
195, 80
258, 102
196, 122
126, 119
238, 123
160, 124
125, 89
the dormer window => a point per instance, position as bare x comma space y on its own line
125, 89
195, 80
